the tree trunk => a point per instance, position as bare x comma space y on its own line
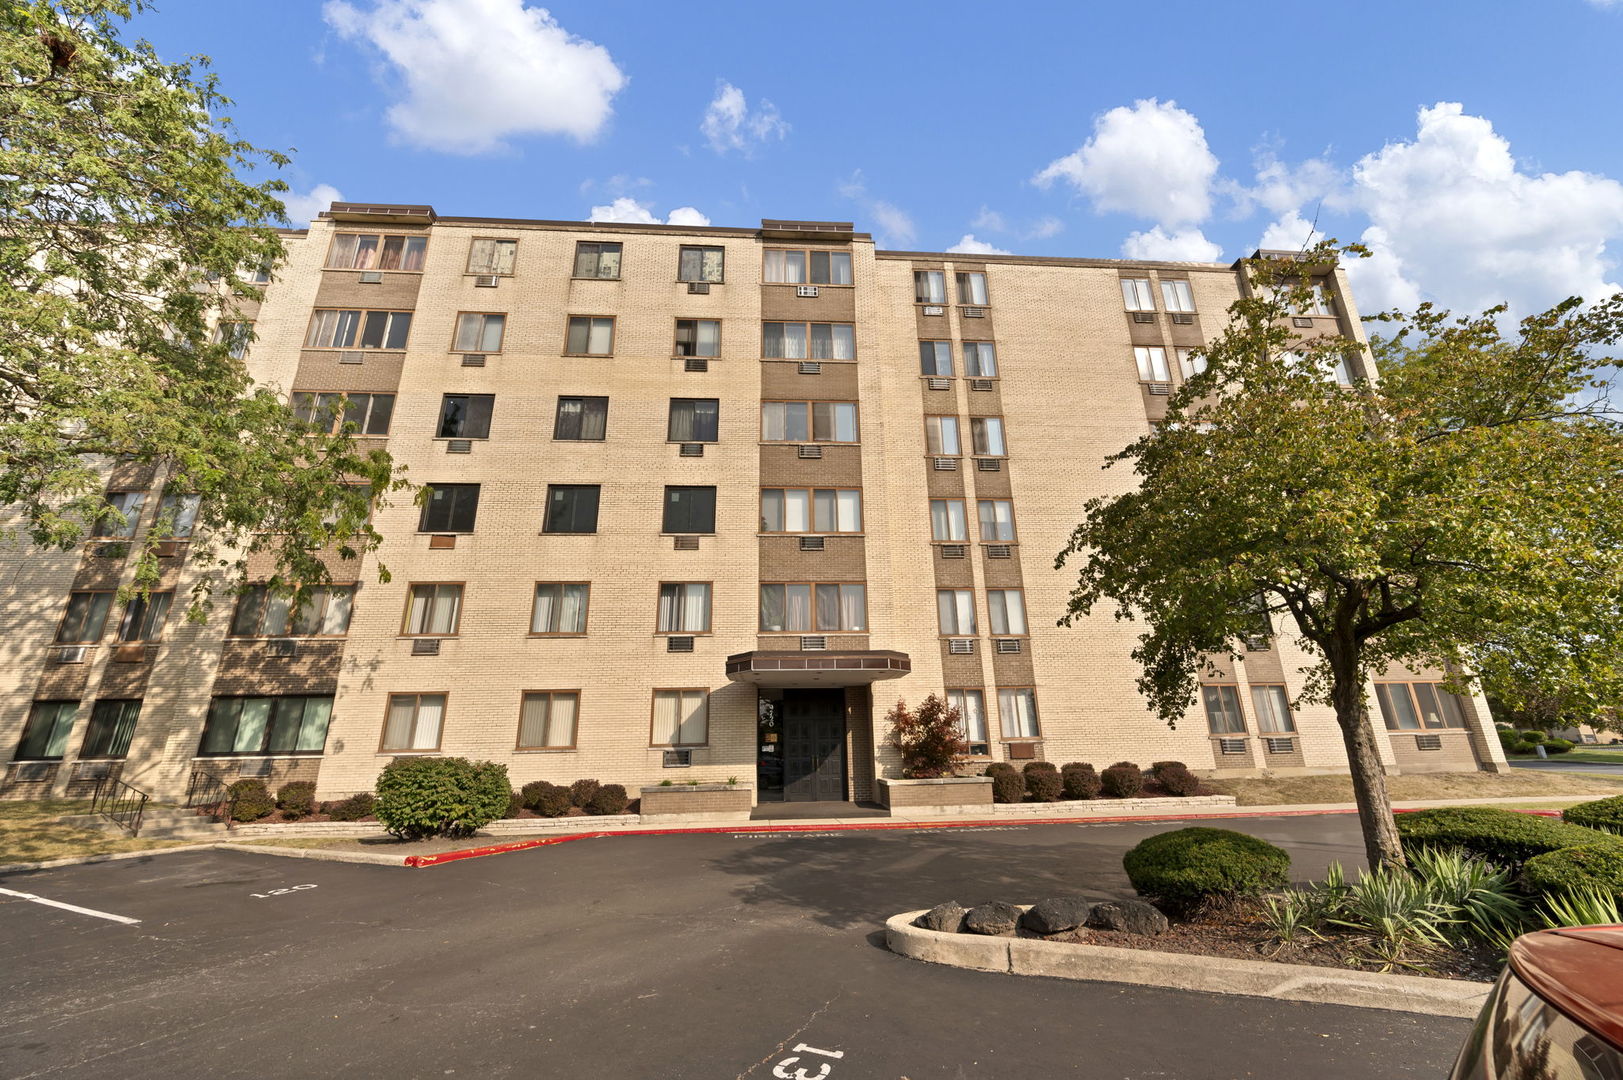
1381, 843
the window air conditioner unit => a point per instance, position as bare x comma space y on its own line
809, 451
812, 543
805, 290
1256, 642
980, 384
999, 551
486, 281
1184, 319
677, 759
938, 384
954, 551
166, 549
442, 542
473, 359
682, 643
973, 312
989, 464
1143, 316
109, 551
92, 770
1231, 746
696, 363
814, 643
944, 464
810, 367
255, 767
371, 277
72, 654
30, 771
425, 646
698, 287
1022, 751
1158, 389
691, 449
129, 654
1302, 321
351, 357
960, 646
459, 446
686, 543
1279, 746
934, 309
282, 648
1428, 742
1007, 646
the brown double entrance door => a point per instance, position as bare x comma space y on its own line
813, 745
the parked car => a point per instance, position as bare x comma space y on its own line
1556, 1012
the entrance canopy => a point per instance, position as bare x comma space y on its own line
851, 667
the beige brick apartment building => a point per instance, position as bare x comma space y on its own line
706, 502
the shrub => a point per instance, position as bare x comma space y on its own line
1122, 780
1188, 866
1502, 837
1556, 746
1513, 743
581, 792
1588, 866
1042, 781
515, 803
1176, 778
1080, 781
930, 739
252, 801
1603, 814
435, 796
296, 799
546, 799
609, 799
1008, 786
354, 808
1534, 736
1157, 766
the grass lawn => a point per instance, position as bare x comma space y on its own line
30, 833
1588, 757
1523, 784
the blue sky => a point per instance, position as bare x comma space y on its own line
1474, 146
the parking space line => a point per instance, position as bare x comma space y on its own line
31, 898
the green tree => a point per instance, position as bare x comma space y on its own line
129, 237
1463, 510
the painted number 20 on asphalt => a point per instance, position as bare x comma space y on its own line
781, 1069
279, 892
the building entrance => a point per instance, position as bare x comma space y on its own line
801, 744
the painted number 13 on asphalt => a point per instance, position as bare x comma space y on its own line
781, 1069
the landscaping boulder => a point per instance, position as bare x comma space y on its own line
947, 918
1128, 916
1056, 915
992, 919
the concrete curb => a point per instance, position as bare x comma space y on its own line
1184, 971
376, 858
81, 860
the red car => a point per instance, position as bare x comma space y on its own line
1556, 1012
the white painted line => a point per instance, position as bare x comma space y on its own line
31, 898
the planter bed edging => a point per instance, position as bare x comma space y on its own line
1106, 807
1186, 971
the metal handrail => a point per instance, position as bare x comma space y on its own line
123, 803
211, 795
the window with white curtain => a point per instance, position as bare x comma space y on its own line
684, 607
941, 435
547, 720
681, 718
1410, 706
560, 607
178, 513
818, 510
414, 722
955, 612
121, 516
996, 519
1136, 294
697, 337
144, 617
1178, 297
986, 435
1223, 716
935, 358
980, 359
583, 419
356, 329
1017, 712
808, 341
971, 706
433, 610
809, 421
811, 607
357, 251
1273, 710
694, 420
1318, 302
1189, 364
803, 267
972, 288
260, 725
1152, 363
479, 332
929, 287
1007, 608
947, 521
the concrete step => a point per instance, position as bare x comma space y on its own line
166, 832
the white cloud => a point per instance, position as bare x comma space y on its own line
729, 123
989, 220
1150, 160
971, 246
1183, 245
477, 72
1045, 228
893, 224
1379, 282
629, 211
303, 208
1289, 232
1606, 5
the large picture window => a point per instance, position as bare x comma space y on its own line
806, 267
808, 341
357, 251
357, 329
262, 612
809, 421
266, 725
815, 510
802, 608
681, 718
1413, 706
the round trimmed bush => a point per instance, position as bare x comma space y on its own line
1503, 837
357, 807
1597, 866
1008, 786
296, 799
609, 799
1122, 780
440, 796
515, 803
1079, 781
1043, 781
548, 800
1534, 736
1513, 743
1603, 814
1176, 778
1556, 746
1186, 867
251, 800
581, 792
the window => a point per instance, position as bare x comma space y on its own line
122, 515
177, 513
681, 718
144, 617
571, 508
451, 508
492, 256
698, 337
941, 435
560, 607
353, 251
235, 337
801, 267
808, 608
929, 287
997, 520
935, 358
1318, 302
1223, 716
972, 289
261, 725
955, 612
414, 722
581, 419
1273, 710
971, 706
808, 341
466, 416
590, 336
684, 608
700, 264
809, 421
85, 618
1008, 611
111, 725
1411, 706
1190, 365
45, 736
947, 520
1342, 371
262, 612
689, 510
1136, 294
1177, 297
1152, 364
1017, 711
594, 260
259, 275
479, 332
355, 329
986, 435
980, 359
546, 718
819, 510
694, 420
334, 411
433, 610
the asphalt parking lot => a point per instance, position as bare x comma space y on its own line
698, 956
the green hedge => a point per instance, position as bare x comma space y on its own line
440, 796
1603, 814
1187, 866
1598, 866
1503, 837
1557, 746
